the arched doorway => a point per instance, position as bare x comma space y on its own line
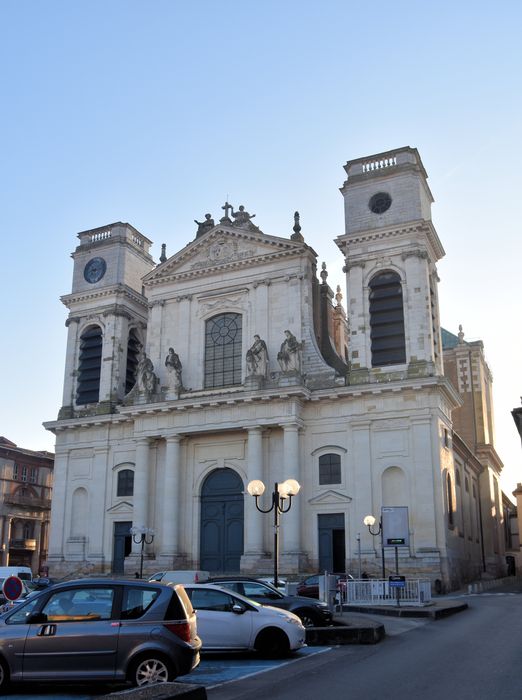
221, 539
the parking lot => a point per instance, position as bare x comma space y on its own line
213, 670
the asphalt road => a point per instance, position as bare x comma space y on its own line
473, 655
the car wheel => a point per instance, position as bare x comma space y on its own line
307, 618
4, 675
149, 669
273, 643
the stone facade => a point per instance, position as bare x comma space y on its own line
26, 481
355, 435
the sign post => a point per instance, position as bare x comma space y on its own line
395, 533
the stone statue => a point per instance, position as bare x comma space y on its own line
241, 217
174, 368
289, 356
146, 379
204, 226
257, 358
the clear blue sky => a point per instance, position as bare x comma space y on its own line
153, 112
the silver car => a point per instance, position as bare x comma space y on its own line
100, 630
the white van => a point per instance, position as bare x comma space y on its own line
180, 576
23, 572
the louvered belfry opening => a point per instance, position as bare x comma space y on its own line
89, 366
387, 320
133, 352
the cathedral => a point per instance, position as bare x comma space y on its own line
234, 361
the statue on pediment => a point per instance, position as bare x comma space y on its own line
289, 355
146, 379
204, 226
242, 218
257, 358
174, 369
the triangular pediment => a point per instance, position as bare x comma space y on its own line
329, 497
123, 507
224, 246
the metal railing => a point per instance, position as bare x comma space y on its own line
380, 592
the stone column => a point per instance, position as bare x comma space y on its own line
59, 530
35, 559
6, 536
171, 498
253, 518
96, 525
140, 515
290, 523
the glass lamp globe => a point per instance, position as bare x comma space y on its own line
256, 488
292, 487
369, 520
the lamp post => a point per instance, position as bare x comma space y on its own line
142, 535
281, 493
369, 520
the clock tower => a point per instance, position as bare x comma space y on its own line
107, 319
391, 250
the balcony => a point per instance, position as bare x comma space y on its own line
27, 501
28, 545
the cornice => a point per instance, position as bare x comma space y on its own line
119, 290
222, 267
237, 397
367, 236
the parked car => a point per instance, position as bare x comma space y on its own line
228, 621
309, 587
281, 582
180, 576
311, 613
100, 630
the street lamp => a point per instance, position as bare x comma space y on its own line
280, 494
142, 535
369, 520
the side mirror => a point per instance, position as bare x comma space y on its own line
238, 609
36, 618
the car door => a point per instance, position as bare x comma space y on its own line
74, 636
219, 627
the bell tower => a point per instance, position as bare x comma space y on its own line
108, 317
391, 250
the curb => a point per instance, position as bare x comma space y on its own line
343, 634
434, 612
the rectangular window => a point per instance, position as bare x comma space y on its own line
329, 469
24, 473
34, 474
15, 472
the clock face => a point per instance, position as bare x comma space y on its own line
94, 270
380, 202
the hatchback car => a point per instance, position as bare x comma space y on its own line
228, 621
309, 587
100, 630
312, 613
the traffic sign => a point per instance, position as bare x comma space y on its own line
12, 588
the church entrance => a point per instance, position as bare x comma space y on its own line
332, 556
122, 546
222, 516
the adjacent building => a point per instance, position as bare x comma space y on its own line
26, 481
232, 360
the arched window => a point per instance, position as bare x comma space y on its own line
330, 469
387, 320
223, 354
89, 366
449, 495
125, 483
133, 351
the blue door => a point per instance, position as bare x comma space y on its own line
222, 516
332, 555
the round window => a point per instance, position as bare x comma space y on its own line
380, 202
